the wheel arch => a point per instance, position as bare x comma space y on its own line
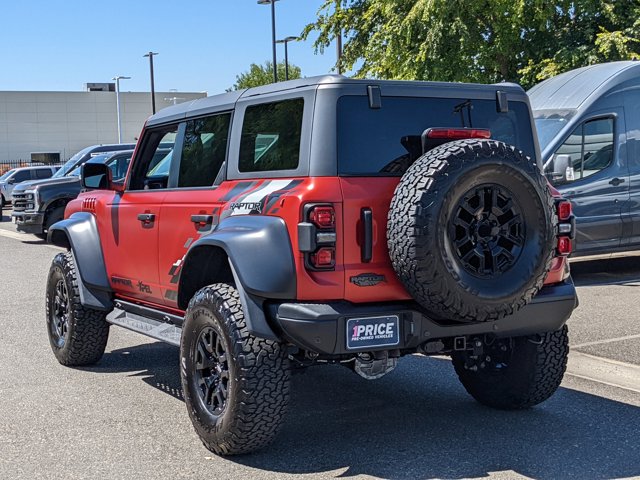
79, 234
254, 252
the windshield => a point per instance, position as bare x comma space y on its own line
549, 123
66, 168
6, 175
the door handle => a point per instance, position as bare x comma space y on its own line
616, 181
202, 219
147, 217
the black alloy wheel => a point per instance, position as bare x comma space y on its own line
212, 371
60, 314
487, 231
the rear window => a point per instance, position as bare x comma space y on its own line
385, 141
271, 136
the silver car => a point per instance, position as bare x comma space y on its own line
16, 175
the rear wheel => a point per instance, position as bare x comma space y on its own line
236, 386
77, 334
515, 373
471, 230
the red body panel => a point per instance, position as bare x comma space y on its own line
143, 260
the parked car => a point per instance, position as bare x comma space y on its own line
13, 177
323, 221
588, 123
33, 212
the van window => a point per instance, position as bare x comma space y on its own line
271, 136
589, 149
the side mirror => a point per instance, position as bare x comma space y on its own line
563, 169
11, 181
97, 176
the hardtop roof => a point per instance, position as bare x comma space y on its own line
227, 101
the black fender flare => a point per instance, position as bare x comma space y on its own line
261, 261
79, 234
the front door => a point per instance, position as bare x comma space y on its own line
598, 186
135, 220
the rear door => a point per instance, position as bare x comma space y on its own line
599, 185
191, 208
375, 148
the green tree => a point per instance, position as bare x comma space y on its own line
263, 75
472, 41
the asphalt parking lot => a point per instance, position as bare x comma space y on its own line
125, 418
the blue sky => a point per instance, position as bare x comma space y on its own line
203, 44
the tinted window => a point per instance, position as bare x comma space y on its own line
586, 151
21, 176
386, 141
204, 150
43, 173
147, 174
271, 136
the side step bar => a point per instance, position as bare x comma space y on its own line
154, 324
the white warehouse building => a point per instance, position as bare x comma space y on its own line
65, 122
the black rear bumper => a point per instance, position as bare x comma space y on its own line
322, 327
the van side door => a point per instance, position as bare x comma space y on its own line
598, 182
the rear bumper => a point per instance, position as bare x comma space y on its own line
29, 222
322, 327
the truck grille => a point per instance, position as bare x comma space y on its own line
22, 202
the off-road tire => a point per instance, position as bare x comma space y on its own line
51, 217
83, 337
428, 229
532, 373
256, 380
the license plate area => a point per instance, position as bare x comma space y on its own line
373, 332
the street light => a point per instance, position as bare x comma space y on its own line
273, 34
153, 90
286, 54
117, 78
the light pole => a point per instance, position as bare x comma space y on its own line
273, 34
117, 78
286, 54
153, 90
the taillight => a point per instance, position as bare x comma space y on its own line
317, 237
564, 245
458, 133
323, 216
325, 257
564, 210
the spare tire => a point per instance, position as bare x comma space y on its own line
471, 230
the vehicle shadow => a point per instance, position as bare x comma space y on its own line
611, 271
418, 422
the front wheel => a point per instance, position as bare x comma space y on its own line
515, 373
236, 386
77, 334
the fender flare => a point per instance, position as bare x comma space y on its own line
79, 234
261, 261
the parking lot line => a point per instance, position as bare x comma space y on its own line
606, 340
23, 237
604, 370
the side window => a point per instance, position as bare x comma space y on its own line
271, 136
21, 176
588, 150
119, 166
152, 167
204, 150
43, 173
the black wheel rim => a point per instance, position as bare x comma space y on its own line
487, 232
212, 371
60, 313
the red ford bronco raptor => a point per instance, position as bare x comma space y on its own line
323, 220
